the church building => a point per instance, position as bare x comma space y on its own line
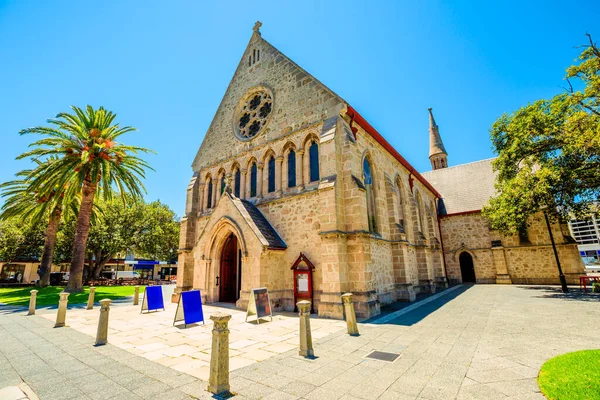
289, 175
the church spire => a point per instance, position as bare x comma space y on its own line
437, 152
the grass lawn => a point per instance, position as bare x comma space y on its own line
571, 376
49, 295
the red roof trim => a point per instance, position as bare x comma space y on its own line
352, 113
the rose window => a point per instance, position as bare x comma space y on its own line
253, 115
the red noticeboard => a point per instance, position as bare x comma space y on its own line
303, 289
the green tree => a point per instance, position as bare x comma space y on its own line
89, 159
549, 152
20, 239
158, 237
38, 209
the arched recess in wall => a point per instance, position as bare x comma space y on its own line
400, 203
209, 190
369, 182
420, 210
467, 267
311, 144
252, 173
221, 181
270, 165
237, 179
289, 162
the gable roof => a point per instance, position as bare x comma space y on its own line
464, 188
259, 224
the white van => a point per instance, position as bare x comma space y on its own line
127, 275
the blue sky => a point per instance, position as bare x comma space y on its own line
163, 67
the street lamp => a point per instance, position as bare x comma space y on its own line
563, 281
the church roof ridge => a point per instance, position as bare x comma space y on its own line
459, 165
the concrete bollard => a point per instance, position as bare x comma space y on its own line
32, 302
218, 381
136, 296
90, 304
102, 334
61, 314
350, 314
306, 347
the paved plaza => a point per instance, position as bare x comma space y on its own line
475, 342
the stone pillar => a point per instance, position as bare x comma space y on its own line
300, 169
218, 381
278, 170
219, 193
102, 334
306, 347
32, 302
205, 197
61, 314
350, 314
259, 180
136, 296
90, 303
243, 185
214, 193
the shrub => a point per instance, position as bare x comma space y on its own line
596, 287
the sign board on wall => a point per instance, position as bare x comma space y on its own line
189, 308
259, 304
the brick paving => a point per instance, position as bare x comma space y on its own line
477, 342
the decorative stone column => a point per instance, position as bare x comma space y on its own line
300, 169
205, 197
350, 314
218, 381
32, 300
306, 347
61, 314
136, 295
102, 334
259, 180
278, 170
90, 303
201, 196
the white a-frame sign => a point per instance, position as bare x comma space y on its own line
259, 304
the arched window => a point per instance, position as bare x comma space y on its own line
313, 152
368, 178
399, 187
420, 213
209, 193
271, 186
238, 180
291, 168
222, 184
253, 172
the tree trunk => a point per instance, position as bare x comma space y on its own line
100, 265
81, 234
49, 241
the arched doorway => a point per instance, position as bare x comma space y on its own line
230, 271
467, 270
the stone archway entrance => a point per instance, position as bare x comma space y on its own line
230, 271
467, 269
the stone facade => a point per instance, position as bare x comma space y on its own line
523, 259
328, 219
288, 167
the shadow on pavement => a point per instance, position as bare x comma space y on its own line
416, 315
555, 292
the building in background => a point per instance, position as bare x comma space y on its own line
587, 235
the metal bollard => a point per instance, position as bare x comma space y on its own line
218, 381
61, 314
102, 334
350, 314
32, 302
90, 304
136, 296
306, 347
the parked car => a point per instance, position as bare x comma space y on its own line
127, 275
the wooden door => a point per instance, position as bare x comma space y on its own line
228, 274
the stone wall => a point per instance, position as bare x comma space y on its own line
514, 259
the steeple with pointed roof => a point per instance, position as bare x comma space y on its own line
437, 152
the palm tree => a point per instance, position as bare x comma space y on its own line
89, 159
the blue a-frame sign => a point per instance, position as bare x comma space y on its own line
189, 308
153, 299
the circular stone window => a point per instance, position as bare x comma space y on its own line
253, 113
